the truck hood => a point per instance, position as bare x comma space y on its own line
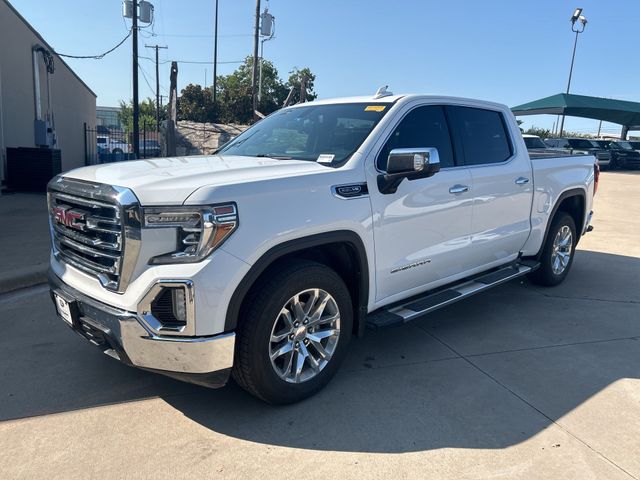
169, 181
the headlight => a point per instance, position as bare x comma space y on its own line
200, 229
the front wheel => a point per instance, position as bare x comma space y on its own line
557, 252
293, 332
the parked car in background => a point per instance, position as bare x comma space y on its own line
623, 153
534, 142
107, 144
150, 148
582, 145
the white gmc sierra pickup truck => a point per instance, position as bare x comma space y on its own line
263, 260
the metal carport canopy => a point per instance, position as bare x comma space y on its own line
607, 109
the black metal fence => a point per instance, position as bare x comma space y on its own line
106, 145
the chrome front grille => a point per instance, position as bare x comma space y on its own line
96, 229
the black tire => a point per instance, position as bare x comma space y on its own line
545, 275
117, 151
252, 369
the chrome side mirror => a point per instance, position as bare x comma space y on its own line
410, 163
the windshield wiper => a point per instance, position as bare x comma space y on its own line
273, 155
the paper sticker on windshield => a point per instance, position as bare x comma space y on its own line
375, 108
326, 158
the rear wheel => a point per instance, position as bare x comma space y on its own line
558, 251
293, 332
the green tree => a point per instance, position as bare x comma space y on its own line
541, 132
234, 93
147, 115
234, 103
195, 104
295, 80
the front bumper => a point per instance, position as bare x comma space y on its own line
122, 335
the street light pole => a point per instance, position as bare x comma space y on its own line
577, 16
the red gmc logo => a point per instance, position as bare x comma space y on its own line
68, 217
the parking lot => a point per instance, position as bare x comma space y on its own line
519, 382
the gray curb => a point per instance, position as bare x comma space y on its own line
25, 277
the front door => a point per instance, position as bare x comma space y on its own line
422, 231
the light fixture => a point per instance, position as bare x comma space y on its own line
200, 230
576, 15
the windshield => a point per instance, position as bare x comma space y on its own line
580, 143
327, 134
602, 143
534, 142
635, 145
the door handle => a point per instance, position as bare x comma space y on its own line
457, 189
522, 181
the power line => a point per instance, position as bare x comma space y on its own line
185, 35
96, 57
144, 75
204, 62
192, 61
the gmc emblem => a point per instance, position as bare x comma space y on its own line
64, 215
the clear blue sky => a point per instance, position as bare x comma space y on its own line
503, 50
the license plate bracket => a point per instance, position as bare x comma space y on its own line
66, 307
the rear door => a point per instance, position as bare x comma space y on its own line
502, 183
422, 231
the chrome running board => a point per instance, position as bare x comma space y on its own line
428, 302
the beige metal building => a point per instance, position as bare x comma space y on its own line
39, 108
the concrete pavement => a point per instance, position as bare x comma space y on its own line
519, 382
24, 240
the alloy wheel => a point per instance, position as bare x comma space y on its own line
562, 248
304, 335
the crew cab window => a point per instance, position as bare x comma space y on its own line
483, 135
423, 127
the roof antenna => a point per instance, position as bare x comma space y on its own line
383, 92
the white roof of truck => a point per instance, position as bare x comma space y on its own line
393, 98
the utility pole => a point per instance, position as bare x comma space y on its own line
303, 89
171, 121
254, 75
267, 30
136, 106
157, 47
215, 62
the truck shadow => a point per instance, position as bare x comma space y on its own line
456, 378
449, 380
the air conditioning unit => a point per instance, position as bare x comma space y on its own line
30, 169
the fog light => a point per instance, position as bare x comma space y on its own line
179, 301
170, 308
